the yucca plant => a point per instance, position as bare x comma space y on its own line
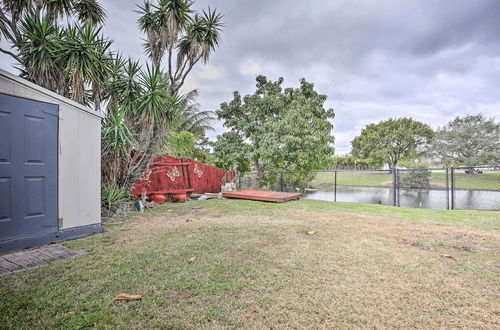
83, 54
38, 48
152, 103
56, 8
89, 12
116, 135
143, 105
112, 195
66, 59
178, 35
122, 88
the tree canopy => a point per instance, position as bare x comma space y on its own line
391, 140
349, 162
276, 129
59, 45
468, 140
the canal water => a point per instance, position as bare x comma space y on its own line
430, 199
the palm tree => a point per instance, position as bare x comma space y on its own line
73, 59
153, 111
189, 121
163, 23
190, 118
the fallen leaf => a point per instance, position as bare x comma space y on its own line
192, 259
448, 256
169, 210
126, 296
310, 232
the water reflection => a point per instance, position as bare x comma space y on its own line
434, 199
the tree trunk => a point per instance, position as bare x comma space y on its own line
258, 169
154, 143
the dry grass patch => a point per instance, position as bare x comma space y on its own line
256, 267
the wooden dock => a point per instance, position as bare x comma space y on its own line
263, 196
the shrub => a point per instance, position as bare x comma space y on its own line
112, 195
416, 178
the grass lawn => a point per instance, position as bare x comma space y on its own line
487, 180
364, 266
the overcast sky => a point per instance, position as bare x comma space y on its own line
375, 59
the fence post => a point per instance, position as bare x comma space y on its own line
398, 183
239, 181
447, 190
335, 187
394, 187
452, 188
281, 181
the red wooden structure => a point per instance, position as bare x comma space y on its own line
170, 175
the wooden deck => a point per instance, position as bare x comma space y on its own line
263, 196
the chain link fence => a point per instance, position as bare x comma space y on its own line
475, 187
422, 188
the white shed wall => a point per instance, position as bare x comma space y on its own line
79, 185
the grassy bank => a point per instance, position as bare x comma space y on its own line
255, 267
489, 180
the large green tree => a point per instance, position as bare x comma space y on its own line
276, 129
231, 152
391, 140
468, 140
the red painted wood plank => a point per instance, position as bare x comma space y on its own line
173, 191
171, 164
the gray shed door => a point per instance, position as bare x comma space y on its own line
28, 167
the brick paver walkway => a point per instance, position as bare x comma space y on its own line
27, 259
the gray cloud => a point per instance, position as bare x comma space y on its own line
431, 60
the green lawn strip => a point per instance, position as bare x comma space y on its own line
325, 180
353, 178
471, 218
78, 293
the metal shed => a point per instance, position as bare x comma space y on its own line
50, 166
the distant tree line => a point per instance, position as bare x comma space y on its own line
468, 140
